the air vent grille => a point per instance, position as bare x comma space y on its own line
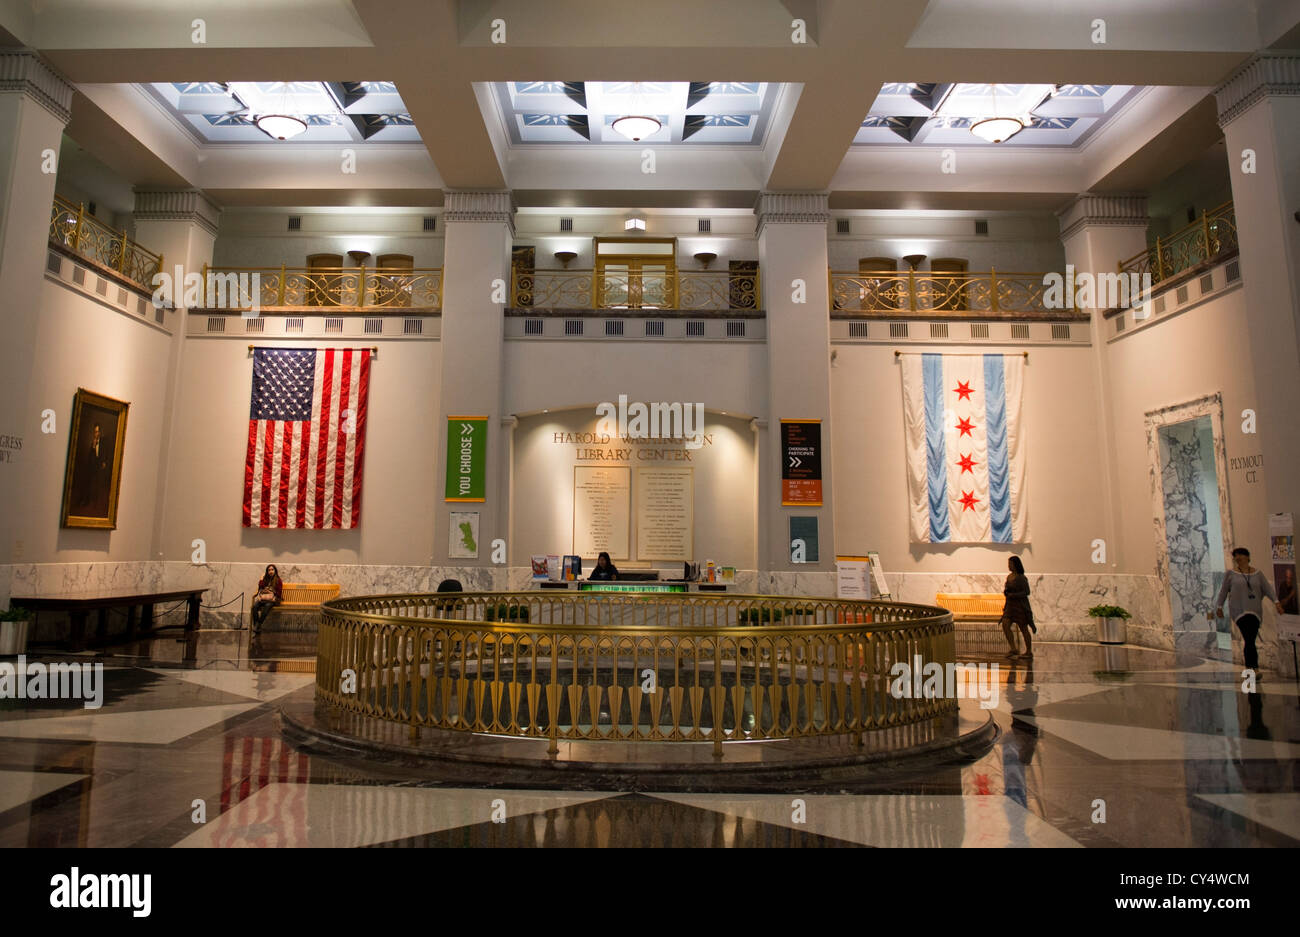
1233, 271
534, 327
333, 326
736, 328
295, 222
216, 323
431, 222
1119, 323
694, 329
1060, 331
1181, 294
842, 226
1207, 284
898, 330
255, 325
566, 224
293, 325
374, 326
654, 328
705, 225
979, 330
613, 326
412, 326
572, 326
938, 329
1019, 330
981, 227
1159, 304
858, 329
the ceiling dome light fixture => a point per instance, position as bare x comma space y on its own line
635, 127
281, 126
996, 129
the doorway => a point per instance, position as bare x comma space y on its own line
636, 273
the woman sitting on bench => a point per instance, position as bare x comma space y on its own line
270, 593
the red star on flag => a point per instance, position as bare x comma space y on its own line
967, 464
968, 501
965, 426
962, 390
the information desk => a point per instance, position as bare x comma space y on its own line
617, 586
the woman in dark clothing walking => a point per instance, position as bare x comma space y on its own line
1016, 610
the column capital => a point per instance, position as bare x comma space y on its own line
1091, 208
177, 205
792, 208
1267, 74
473, 205
23, 72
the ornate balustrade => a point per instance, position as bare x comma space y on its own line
73, 228
326, 287
907, 292
630, 667
1213, 235
697, 290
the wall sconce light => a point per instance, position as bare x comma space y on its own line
914, 260
565, 256
359, 257
705, 258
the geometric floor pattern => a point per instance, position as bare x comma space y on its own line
1130, 747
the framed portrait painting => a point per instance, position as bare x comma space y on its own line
94, 470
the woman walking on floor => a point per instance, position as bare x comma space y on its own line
1245, 588
1016, 610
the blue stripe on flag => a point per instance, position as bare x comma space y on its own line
936, 459
995, 405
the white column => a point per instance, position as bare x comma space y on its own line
1259, 111
476, 283
794, 275
34, 108
1098, 232
181, 225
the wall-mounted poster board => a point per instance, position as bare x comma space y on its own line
601, 510
801, 462
665, 513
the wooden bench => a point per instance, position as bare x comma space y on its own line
976, 620
299, 598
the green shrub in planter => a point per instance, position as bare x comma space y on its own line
1108, 611
15, 614
759, 615
506, 612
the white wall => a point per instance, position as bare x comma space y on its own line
1174, 360
723, 472
208, 449
1063, 488
83, 343
262, 238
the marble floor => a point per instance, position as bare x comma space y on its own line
1097, 747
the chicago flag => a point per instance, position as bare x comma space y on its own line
965, 448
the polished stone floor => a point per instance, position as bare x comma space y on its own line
1168, 749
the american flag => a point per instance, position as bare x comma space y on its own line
271, 768
306, 438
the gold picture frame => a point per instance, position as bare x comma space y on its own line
92, 477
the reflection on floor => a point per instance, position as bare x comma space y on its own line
186, 751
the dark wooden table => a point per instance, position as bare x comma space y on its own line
139, 610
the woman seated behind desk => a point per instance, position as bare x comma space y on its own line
605, 570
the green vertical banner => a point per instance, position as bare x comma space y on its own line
467, 458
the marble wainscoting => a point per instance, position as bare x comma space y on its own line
51, 578
1060, 601
225, 581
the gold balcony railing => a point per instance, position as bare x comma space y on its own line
1213, 234
630, 667
698, 290
920, 291
72, 227
328, 287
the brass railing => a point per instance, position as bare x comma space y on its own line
73, 228
682, 290
330, 287
920, 291
630, 667
1214, 233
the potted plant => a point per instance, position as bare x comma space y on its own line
1110, 623
503, 611
759, 615
14, 624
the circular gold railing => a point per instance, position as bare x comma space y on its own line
624, 666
